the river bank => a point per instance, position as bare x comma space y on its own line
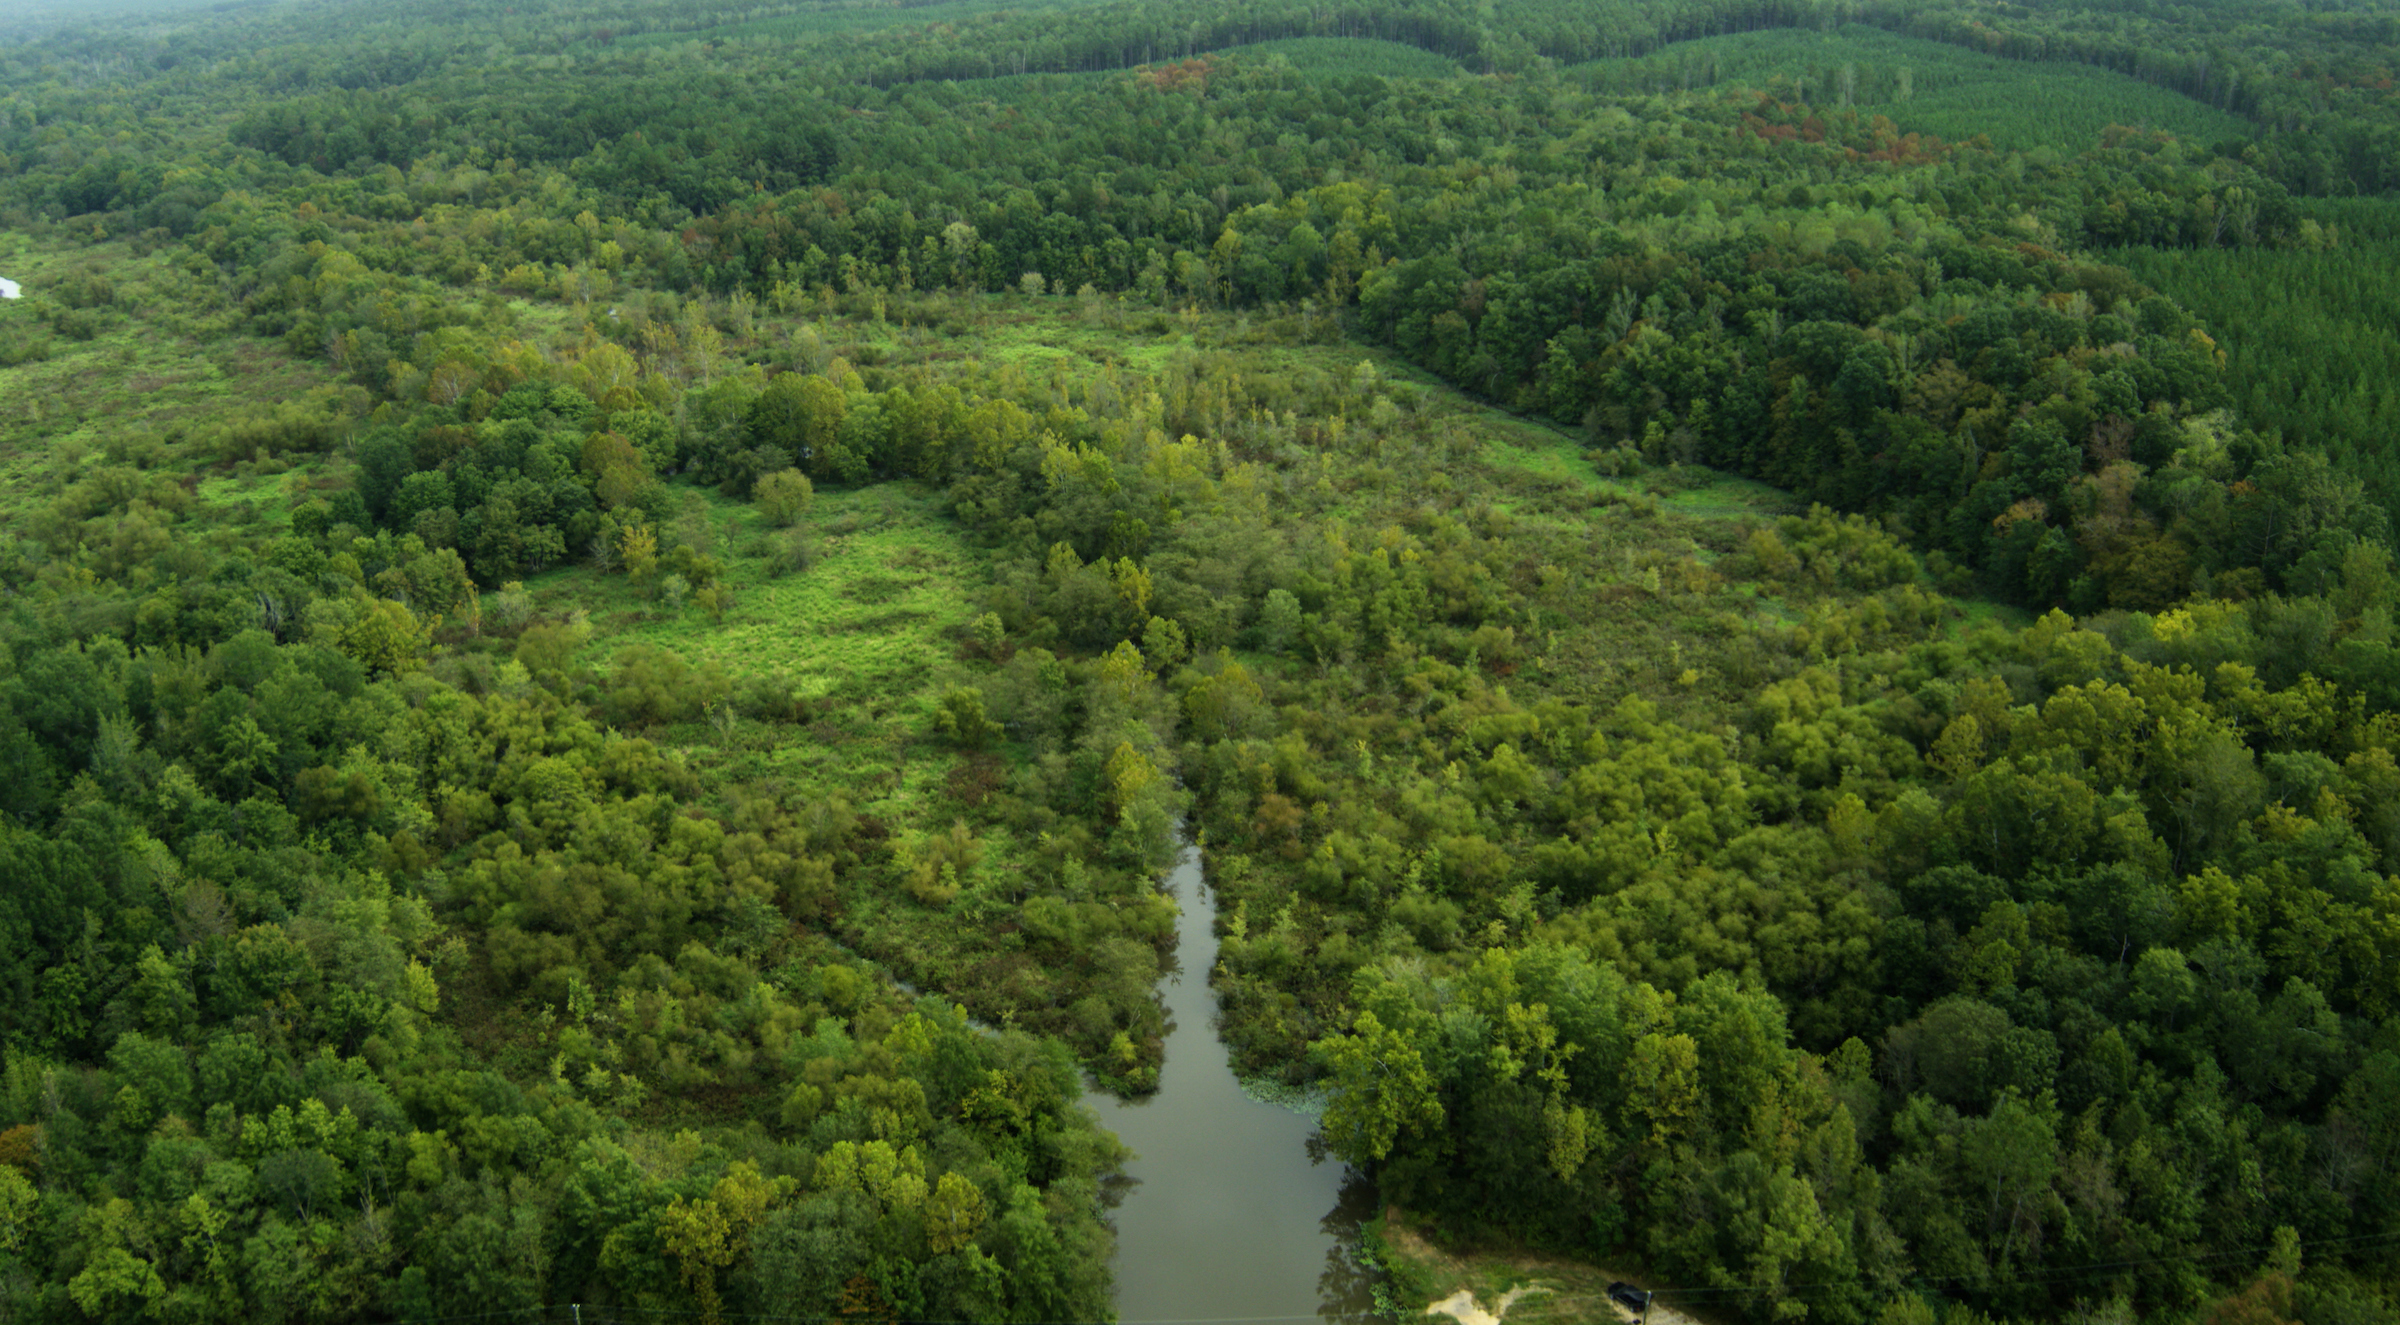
1476, 1285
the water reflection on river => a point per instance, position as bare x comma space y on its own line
1229, 1216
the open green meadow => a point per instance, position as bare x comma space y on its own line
890, 584
863, 641
124, 361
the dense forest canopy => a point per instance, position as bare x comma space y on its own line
1776, 618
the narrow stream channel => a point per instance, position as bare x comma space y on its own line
1229, 1218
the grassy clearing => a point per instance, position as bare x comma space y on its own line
1549, 455
1037, 334
256, 501
1976, 613
1528, 447
864, 636
1548, 1290
141, 372
862, 625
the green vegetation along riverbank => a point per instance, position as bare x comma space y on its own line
1788, 693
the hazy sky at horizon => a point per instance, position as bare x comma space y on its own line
14, 10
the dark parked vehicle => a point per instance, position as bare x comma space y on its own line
1635, 1299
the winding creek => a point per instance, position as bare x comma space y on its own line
1229, 1216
